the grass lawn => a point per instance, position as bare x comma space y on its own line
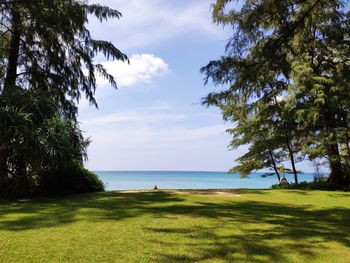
243, 226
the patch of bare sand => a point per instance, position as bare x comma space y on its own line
132, 191
208, 192
227, 192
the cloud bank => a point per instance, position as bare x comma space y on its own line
141, 70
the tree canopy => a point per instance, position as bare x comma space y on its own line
286, 69
47, 62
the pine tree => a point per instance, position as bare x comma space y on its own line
298, 50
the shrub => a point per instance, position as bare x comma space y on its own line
315, 185
71, 179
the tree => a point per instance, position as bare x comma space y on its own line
298, 50
266, 125
50, 45
47, 63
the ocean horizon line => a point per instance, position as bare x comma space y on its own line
195, 171
176, 171
135, 180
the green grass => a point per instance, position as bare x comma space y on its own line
254, 226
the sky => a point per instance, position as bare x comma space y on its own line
155, 120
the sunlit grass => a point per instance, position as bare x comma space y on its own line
246, 226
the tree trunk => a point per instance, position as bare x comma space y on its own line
3, 172
346, 171
11, 70
287, 138
347, 144
274, 165
336, 177
9, 83
291, 156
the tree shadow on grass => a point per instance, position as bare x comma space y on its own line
234, 230
288, 228
51, 212
339, 195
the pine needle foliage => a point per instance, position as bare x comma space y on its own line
286, 73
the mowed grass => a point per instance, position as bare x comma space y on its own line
244, 226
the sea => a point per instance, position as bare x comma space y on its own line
139, 180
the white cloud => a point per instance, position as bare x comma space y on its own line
151, 22
141, 70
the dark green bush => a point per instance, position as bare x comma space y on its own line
315, 185
71, 179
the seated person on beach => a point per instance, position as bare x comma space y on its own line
283, 181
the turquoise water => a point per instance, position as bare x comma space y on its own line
117, 180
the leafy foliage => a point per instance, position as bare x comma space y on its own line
286, 69
72, 178
55, 50
47, 62
34, 140
322, 185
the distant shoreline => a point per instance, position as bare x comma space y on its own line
135, 180
190, 171
159, 171
234, 192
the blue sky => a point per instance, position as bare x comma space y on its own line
154, 121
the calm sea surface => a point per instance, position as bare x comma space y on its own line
117, 180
